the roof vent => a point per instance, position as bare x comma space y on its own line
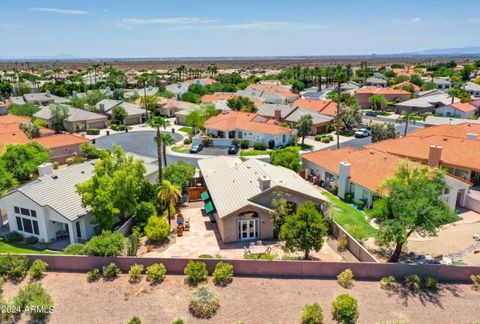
472, 136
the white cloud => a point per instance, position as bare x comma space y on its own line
166, 21
408, 21
61, 11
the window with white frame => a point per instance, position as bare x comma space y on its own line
25, 219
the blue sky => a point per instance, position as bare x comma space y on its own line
121, 28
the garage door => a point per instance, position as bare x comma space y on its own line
133, 121
99, 124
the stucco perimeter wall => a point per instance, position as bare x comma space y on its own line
260, 268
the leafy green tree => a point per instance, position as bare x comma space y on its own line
157, 229
196, 120
143, 211
158, 122
287, 157
190, 97
30, 129
6, 89
119, 114
198, 89
304, 231
297, 86
467, 71
117, 94
303, 126
106, 244
383, 131
114, 189
349, 116
241, 103
179, 173
459, 93
378, 102
27, 110
94, 97
428, 86
149, 102
345, 98
22, 160
169, 193
414, 205
59, 114
23, 88
416, 80
6, 179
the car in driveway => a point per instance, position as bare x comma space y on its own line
371, 113
196, 148
362, 132
233, 149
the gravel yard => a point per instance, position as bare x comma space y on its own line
247, 300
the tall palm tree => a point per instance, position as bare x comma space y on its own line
405, 117
339, 77
95, 67
143, 78
169, 193
158, 122
167, 140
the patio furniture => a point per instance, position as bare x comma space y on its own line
187, 224
258, 249
61, 234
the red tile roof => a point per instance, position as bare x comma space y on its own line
458, 130
325, 107
233, 120
381, 91
217, 96
464, 106
60, 140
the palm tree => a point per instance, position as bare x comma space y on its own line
339, 77
95, 67
169, 193
167, 140
143, 78
157, 122
303, 127
405, 117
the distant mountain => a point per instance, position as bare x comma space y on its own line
470, 50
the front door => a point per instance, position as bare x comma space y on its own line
248, 229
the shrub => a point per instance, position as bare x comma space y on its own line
342, 244
135, 320
259, 146
205, 256
37, 269
75, 249
356, 231
196, 271
244, 144
55, 165
93, 131
330, 136
111, 271
388, 282
325, 140
475, 282
75, 160
90, 151
235, 141
187, 141
412, 282
361, 204
318, 138
348, 197
178, 321
93, 275
204, 302
345, 308
13, 266
106, 244
431, 283
135, 272
114, 127
121, 128
156, 272
13, 237
143, 211
223, 273
34, 299
31, 240
345, 279
157, 229
312, 314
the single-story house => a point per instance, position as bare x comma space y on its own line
240, 195
425, 103
41, 99
458, 109
169, 107
50, 205
361, 172
393, 95
78, 120
181, 116
178, 89
231, 124
135, 113
442, 83
209, 98
61, 146
473, 89
436, 120
150, 91
376, 82
324, 107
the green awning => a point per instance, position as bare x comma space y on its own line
209, 208
205, 196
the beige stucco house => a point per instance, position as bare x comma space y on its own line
240, 195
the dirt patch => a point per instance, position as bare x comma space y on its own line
249, 300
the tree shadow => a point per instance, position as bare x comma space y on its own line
425, 296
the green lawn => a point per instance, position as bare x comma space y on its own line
21, 248
347, 216
180, 149
251, 152
185, 129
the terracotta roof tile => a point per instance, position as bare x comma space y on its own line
464, 107
381, 91
325, 107
60, 140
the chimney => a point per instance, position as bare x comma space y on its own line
344, 174
45, 169
264, 182
278, 115
101, 107
472, 136
434, 156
